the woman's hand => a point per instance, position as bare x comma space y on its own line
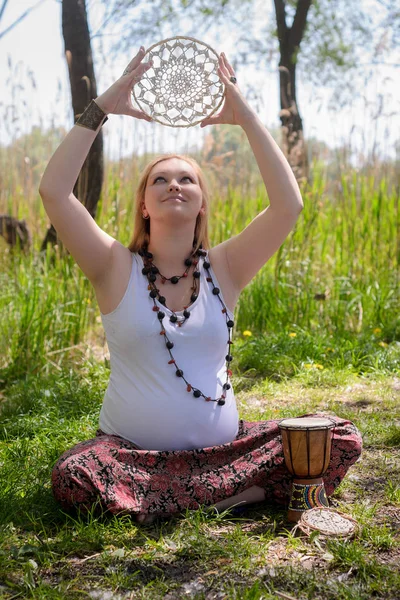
117, 100
235, 110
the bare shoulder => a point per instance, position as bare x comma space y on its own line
112, 286
219, 263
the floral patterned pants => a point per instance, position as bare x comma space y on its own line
128, 480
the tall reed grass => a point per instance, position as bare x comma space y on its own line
336, 274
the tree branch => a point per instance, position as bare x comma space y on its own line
3, 33
281, 23
2, 9
299, 24
373, 63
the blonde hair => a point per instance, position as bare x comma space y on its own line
141, 231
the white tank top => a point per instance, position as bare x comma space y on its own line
145, 402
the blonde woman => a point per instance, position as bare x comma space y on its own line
169, 435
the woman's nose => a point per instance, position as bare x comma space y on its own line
174, 186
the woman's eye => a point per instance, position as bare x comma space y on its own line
160, 177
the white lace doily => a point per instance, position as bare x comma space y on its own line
182, 87
328, 522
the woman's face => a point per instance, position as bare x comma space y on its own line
173, 189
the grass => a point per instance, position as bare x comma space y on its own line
45, 553
335, 283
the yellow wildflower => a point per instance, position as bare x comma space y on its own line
377, 330
318, 366
330, 350
292, 334
247, 332
383, 344
308, 366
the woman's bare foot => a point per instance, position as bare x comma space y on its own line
144, 519
249, 496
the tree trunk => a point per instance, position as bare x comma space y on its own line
292, 125
78, 53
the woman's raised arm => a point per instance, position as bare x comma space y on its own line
90, 246
246, 253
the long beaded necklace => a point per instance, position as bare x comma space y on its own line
151, 271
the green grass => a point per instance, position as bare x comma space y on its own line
335, 282
45, 553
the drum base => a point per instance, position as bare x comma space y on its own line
306, 494
294, 517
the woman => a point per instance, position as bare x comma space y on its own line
170, 437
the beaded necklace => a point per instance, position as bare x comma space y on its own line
150, 271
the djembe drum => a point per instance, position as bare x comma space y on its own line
307, 450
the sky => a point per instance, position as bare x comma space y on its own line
34, 79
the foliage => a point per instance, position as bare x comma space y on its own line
342, 39
336, 276
23, 161
48, 553
229, 159
145, 21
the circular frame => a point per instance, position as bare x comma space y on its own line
147, 77
308, 523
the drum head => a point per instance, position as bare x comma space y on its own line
307, 423
328, 522
182, 87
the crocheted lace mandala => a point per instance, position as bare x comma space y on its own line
182, 88
328, 522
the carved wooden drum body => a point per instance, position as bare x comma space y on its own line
307, 445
